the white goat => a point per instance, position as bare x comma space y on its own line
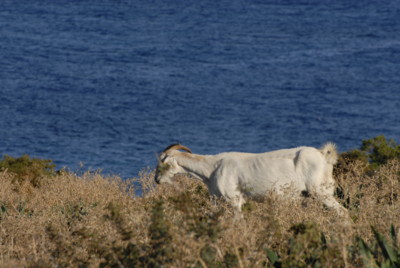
233, 175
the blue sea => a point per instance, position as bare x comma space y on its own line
105, 84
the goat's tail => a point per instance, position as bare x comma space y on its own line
330, 153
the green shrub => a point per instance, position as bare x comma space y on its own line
380, 150
231, 260
120, 255
160, 237
376, 151
157, 253
382, 253
307, 248
3, 209
273, 258
29, 169
201, 224
116, 217
209, 255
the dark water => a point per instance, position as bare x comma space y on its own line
109, 83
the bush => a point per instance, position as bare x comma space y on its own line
24, 168
93, 221
382, 253
376, 151
380, 150
308, 247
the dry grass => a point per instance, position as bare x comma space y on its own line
92, 221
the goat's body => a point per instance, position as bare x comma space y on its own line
233, 175
255, 174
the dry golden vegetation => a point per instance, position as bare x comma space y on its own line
95, 221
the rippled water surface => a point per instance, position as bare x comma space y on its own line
109, 83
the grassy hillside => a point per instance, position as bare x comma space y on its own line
59, 219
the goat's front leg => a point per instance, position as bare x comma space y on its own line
227, 185
236, 200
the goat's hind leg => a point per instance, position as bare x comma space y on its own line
325, 195
323, 190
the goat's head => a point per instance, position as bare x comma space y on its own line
167, 165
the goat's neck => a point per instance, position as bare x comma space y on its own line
199, 166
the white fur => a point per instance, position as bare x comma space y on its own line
235, 175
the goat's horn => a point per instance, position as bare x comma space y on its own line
177, 147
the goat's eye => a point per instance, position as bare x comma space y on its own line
162, 168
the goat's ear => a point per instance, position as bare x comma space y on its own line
161, 157
158, 158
